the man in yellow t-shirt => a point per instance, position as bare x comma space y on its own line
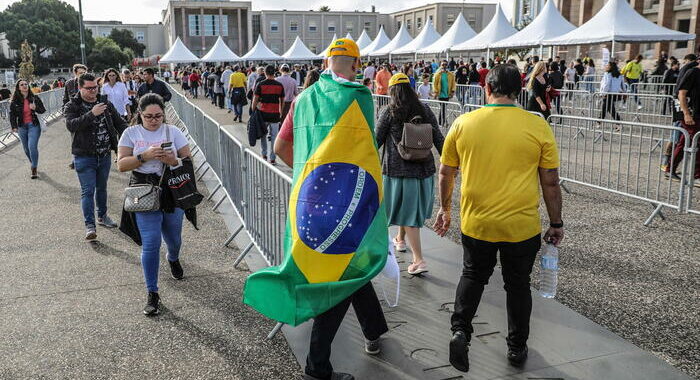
633, 73
237, 91
504, 154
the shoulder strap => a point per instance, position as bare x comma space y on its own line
167, 139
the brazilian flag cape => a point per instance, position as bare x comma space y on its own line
336, 237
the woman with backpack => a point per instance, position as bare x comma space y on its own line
24, 108
407, 166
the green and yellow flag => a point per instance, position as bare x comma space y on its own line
336, 238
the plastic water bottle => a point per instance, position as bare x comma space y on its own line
549, 268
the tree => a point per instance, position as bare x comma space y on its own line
324, 8
48, 26
105, 54
26, 68
125, 39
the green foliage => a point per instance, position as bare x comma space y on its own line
324, 8
48, 25
105, 54
125, 39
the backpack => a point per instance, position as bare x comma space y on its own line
416, 141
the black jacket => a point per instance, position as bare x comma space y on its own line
157, 87
70, 89
16, 109
81, 125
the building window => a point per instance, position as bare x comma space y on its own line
212, 24
683, 3
274, 26
312, 26
256, 25
368, 26
450, 19
471, 20
398, 25
293, 26
313, 48
683, 26
140, 36
430, 17
331, 26
224, 25
408, 25
195, 25
419, 23
349, 27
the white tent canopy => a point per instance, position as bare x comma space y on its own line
547, 25
617, 21
379, 42
299, 52
363, 40
459, 32
260, 52
402, 38
220, 53
425, 38
178, 53
324, 54
498, 28
349, 36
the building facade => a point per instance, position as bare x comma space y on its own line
199, 23
151, 35
443, 16
525, 11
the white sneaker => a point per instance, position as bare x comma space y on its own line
399, 246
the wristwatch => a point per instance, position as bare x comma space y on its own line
140, 158
556, 225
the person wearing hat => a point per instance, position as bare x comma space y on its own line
306, 131
408, 185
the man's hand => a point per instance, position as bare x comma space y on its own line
688, 118
442, 222
99, 109
32, 106
554, 235
543, 107
14, 130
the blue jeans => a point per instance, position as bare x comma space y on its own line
633, 89
152, 225
29, 135
93, 172
273, 129
227, 97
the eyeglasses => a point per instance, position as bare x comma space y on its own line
23, 85
92, 88
111, 75
152, 117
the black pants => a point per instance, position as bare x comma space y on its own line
609, 107
220, 100
326, 325
516, 263
442, 119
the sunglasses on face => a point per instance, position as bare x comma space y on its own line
23, 85
152, 117
92, 88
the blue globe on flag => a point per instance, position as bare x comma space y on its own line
336, 205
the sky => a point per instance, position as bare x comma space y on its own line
149, 11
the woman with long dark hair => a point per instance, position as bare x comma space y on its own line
144, 150
408, 185
24, 108
611, 85
116, 92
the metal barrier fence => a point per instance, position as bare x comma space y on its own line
470, 94
642, 108
53, 102
655, 88
445, 112
693, 205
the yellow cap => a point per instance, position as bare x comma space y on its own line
344, 46
398, 78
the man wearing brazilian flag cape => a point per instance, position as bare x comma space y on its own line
336, 239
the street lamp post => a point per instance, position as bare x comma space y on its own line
82, 37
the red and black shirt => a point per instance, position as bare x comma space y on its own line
269, 93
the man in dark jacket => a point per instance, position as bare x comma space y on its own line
95, 127
154, 85
71, 86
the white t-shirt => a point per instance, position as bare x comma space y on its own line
369, 72
140, 139
424, 91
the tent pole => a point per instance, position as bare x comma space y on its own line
542, 52
612, 51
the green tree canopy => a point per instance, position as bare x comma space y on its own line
105, 54
48, 25
324, 8
125, 39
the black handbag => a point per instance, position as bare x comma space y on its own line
182, 184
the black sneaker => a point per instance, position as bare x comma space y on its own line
176, 269
372, 347
459, 351
334, 376
153, 305
517, 356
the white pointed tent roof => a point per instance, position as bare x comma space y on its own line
379, 42
618, 21
349, 36
402, 38
459, 32
178, 53
363, 40
299, 52
260, 52
324, 53
425, 38
220, 53
547, 25
498, 28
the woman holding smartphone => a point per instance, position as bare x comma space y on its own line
144, 150
24, 108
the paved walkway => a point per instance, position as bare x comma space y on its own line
563, 344
72, 310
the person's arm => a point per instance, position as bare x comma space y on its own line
256, 99
284, 151
446, 183
382, 128
683, 100
551, 192
119, 123
40, 109
438, 138
166, 93
76, 122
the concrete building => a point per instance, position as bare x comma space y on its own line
151, 35
199, 23
525, 11
279, 28
443, 16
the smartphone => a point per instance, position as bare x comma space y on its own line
166, 145
103, 99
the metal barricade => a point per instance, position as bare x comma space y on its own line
693, 205
618, 157
470, 94
654, 79
523, 97
380, 101
654, 88
53, 102
445, 112
232, 169
588, 86
642, 108
572, 102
